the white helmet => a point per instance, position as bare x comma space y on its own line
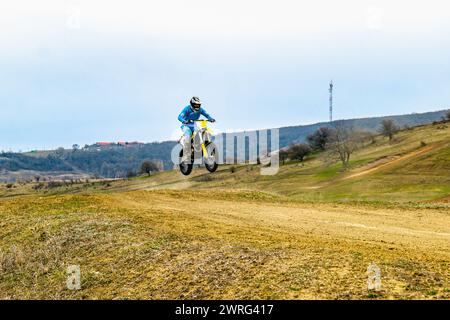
196, 103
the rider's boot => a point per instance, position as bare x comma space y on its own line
186, 150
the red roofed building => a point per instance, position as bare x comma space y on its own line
102, 143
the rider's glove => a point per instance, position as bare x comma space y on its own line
186, 122
213, 120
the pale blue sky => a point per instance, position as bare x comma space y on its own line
85, 71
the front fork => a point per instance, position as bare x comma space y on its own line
202, 143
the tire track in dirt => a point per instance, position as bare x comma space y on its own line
425, 232
373, 168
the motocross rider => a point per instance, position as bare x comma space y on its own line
187, 116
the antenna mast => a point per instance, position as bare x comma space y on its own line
331, 100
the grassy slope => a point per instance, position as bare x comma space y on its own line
276, 241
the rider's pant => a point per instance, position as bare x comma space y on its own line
187, 131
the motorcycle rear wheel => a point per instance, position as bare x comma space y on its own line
185, 168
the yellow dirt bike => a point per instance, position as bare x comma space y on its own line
201, 144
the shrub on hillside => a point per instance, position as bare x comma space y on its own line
299, 151
319, 139
388, 128
38, 186
54, 184
148, 167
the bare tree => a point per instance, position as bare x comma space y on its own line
319, 138
388, 128
343, 142
372, 137
283, 154
299, 151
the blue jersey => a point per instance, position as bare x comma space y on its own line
188, 114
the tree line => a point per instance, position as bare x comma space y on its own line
338, 141
117, 162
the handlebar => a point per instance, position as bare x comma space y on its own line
191, 121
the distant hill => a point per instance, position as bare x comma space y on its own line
112, 162
295, 134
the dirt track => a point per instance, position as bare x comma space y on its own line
403, 242
404, 228
172, 244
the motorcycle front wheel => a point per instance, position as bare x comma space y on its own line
211, 158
